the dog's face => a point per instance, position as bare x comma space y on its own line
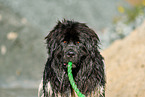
74, 42
71, 48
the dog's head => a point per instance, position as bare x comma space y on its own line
71, 41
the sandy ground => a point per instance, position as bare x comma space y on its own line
125, 65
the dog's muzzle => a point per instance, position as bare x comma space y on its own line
70, 55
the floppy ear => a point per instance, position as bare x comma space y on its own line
98, 61
95, 48
53, 38
91, 41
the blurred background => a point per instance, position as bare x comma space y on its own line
23, 53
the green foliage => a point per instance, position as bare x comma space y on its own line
134, 12
130, 13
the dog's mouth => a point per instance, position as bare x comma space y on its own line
75, 68
66, 64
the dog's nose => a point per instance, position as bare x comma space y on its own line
70, 53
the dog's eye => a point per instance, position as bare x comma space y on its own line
64, 41
78, 42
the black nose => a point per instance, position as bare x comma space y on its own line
70, 53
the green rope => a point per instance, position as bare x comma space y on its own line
70, 76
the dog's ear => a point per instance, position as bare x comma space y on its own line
93, 47
53, 38
91, 41
97, 59
92, 44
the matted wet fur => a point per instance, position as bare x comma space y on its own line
76, 42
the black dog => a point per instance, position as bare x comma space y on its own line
76, 42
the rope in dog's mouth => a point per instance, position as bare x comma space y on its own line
70, 76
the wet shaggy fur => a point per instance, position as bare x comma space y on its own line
76, 42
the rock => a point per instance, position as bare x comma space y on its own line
125, 65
